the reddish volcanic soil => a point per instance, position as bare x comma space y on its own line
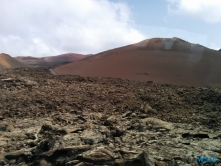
171, 61
51, 60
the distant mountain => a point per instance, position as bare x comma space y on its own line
161, 60
6, 61
51, 60
219, 49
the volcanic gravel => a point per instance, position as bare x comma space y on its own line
71, 107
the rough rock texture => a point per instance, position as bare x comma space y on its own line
70, 120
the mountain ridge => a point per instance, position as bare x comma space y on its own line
6, 61
51, 60
164, 60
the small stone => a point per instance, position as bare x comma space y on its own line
126, 114
44, 163
159, 163
9, 128
91, 136
13, 161
112, 119
99, 154
73, 162
2, 127
80, 164
158, 124
111, 145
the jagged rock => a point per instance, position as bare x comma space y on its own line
127, 113
16, 136
2, 142
61, 156
44, 163
50, 144
30, 136
81, 164
7, 79
159, 163
73, 139
113, 119
104, 130
19, 153
97, 156
71, 129
73, 162
100, 154
2, 127
141, 159
41, 163
9, 128
95, 116
90, 121
157, 123
48, 130
2, 156
91, 136
146, 108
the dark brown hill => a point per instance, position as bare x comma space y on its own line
170, 60
51, 60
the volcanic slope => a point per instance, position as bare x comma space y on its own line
6, 61
51, 60
161, 60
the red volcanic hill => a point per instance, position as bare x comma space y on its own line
51, 60
161, 60
6, 61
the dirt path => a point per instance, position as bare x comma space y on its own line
52, 72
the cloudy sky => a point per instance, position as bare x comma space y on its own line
44, 28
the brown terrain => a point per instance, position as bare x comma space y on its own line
51, 60
6, 61
170, 61
135, 120
49, 120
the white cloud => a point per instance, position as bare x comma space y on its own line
44, 28
207, 10
164, 32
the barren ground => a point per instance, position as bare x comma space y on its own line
71, 120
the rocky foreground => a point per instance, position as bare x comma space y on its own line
70, 120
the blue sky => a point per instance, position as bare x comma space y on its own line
45, 28
154, 19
